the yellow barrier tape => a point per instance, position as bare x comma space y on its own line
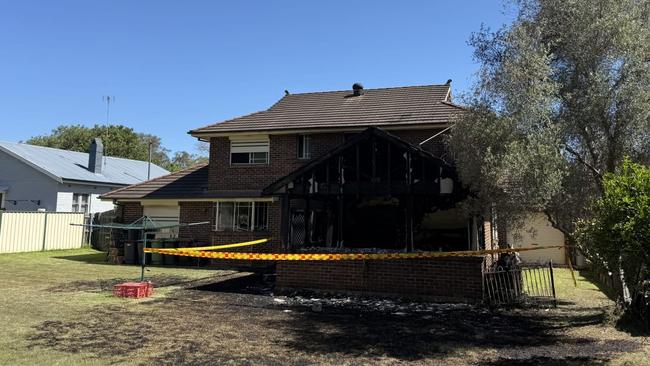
337, 256
225, 246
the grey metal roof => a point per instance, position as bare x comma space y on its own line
73, 166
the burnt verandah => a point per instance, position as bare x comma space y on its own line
375, 190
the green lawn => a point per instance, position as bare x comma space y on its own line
42, 286
56, 308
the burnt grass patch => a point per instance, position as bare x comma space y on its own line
238, 321
107, 285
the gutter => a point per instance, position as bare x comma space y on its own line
293, 130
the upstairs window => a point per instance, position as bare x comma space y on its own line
304, 147
249, 152
242, 216
79, 202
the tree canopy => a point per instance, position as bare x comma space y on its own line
619, 231
561, 97
119, 141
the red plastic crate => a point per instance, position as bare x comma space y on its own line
133, 289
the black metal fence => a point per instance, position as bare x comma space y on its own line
519, 285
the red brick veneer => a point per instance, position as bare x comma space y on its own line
128, 212
441, 279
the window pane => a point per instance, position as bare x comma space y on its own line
259, 158
243, 216
301, 146
84, 198
240, 158
225, 216
307, 143
261, 215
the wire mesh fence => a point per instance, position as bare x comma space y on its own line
518, 285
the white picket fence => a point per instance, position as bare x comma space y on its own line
38, 231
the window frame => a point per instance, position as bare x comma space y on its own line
264, 145
252, 216
78, 202
305, 141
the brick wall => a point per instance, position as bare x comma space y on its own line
190, 212
283, 158
490, 243
127, 212
441, 279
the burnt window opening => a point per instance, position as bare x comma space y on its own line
373, 192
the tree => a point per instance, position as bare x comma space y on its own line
562, 95
119, 141
183, 159
618, 234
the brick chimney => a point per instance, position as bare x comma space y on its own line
96, 156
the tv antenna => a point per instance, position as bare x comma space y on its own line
108, 99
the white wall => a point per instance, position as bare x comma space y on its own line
64, 201
538, 232
26, 185
66, 191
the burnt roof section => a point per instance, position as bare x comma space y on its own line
400, 106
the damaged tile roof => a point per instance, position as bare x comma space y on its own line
399, 106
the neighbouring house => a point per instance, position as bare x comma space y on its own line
35, 177
351, 170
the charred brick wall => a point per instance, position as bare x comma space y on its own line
441, 279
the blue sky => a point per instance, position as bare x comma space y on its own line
177, 65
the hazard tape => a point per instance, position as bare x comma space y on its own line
216, 247
337, 256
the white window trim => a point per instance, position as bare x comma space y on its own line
234, 216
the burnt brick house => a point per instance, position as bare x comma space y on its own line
341, 170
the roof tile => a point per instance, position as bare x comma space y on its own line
403, 106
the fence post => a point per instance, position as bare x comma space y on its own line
44, 232
550, 267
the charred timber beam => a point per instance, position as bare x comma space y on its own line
358, 169
388, 166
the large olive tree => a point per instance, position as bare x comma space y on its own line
561, 97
